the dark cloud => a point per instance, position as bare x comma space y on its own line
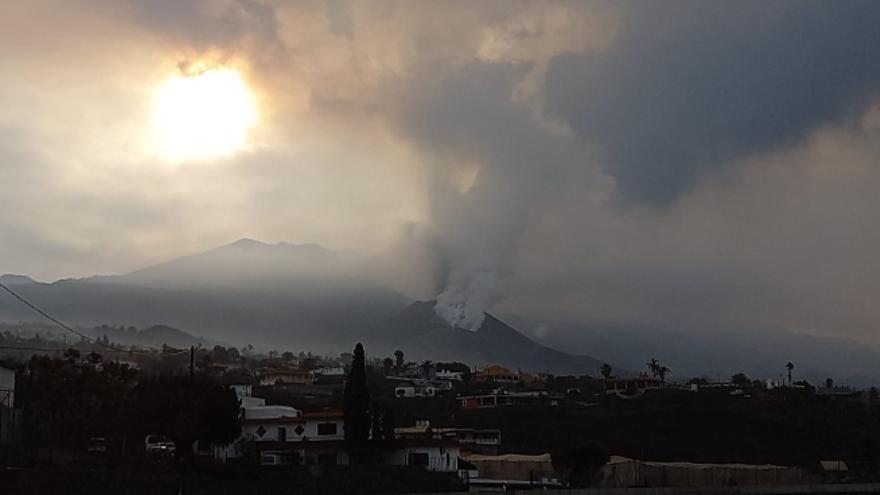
688, 86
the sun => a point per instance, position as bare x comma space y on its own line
204, 115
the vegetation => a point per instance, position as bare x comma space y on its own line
658, 370
66, 401
579, 464
356, 397
605, 371
398, 361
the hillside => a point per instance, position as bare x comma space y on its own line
421, 334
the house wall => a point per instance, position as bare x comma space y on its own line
7, 387
440, 459
309, 429
500, 469
630, 473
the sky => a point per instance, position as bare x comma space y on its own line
701, 165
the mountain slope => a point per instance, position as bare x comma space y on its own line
421, 334
299, 297
10, 279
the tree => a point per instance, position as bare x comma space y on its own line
234, 355
287, 356
388, 426
654, 367
171, 404
376, 425
578, 465
662, 371
740, 380
398, 360
356, 405
309, 362
94, 358
790, 367
605, 370
387, 366
219, 354
426, 369
71, 355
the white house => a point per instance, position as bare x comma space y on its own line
336, 371
416, 390
287, 435
454, 376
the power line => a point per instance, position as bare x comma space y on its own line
69, 329
56, 349
46, 315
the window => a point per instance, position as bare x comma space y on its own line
418, 459
327, 459
326, 428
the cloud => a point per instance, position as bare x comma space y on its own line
689, 87
782, 240
207, 23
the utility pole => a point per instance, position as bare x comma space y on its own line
192, 360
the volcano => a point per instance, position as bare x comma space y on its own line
422, 334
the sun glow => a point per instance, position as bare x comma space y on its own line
203, 115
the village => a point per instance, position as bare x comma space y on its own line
465, 427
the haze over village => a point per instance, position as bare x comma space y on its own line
378, 246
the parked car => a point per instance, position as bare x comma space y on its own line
97, 445
159, 446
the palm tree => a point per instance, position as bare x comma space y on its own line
398, 361
662, 371
654, 367
605, 370
790, 367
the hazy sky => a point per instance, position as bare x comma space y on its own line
706, 165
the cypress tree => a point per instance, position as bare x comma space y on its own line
357, 406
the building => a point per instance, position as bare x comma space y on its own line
7, 387
448, 375
334, 371
632, 385
622, 472
282, 435
286, 435
272, 376
833, 470
501, 375
485, 441
508, 399
9, 420
513, 470
416, 390
496, 374
470, 440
